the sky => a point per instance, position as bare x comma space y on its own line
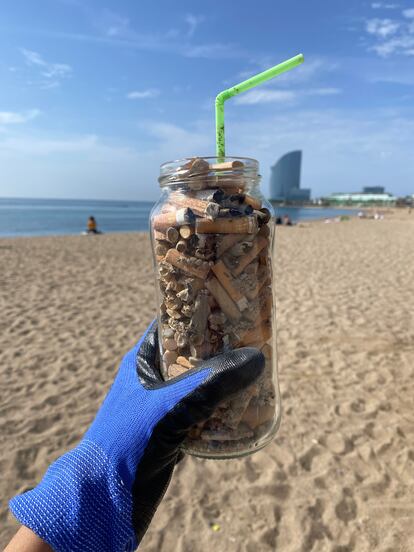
96, 94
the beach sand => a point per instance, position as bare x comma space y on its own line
339, 476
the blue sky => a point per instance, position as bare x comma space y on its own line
96, 94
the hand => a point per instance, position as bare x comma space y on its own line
103, 494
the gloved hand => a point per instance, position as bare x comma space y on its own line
103, 494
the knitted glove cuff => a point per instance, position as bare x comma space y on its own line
81, 504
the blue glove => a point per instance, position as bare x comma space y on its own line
103, 494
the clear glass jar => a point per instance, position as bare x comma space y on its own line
212, 238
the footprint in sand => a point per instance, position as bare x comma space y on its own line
43, 424
24, 461
346, 509
317, 531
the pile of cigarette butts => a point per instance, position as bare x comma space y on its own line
212, 253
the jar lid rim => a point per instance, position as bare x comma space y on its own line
210, 157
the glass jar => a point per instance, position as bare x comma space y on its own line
212, 238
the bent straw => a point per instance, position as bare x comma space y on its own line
242, 87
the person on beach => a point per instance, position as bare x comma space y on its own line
103, 494
92, 226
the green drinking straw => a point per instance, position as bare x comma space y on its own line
242, 87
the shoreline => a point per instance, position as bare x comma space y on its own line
132, 231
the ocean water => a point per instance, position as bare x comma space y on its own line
45, 217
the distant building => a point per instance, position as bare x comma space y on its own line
360, 199
285, 180
373, 190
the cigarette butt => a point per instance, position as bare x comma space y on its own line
173, 218
227, 165
198, 324
169, 357
266, 304
266, 214
216, 195
161, 249
253, 201
263, 279
184, 362
259, 244
169, 344
167, 332
226, 303
181, 340
160, 236
186, 231
197, 339
267, 351
226, 280
256, 415
181, 246
264, 231
251, 294
263, 216
194, 361
200, 207
238, 225
227, 241
167, 208
174, 314
256, 335
201, 352
265, 311
230, 189
175, 370
187, 264
172, 235
199, 166
228, 212
197, 183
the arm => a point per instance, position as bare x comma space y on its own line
27, 541
103, 494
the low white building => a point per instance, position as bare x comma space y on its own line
360, 198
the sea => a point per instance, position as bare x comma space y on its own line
51, 217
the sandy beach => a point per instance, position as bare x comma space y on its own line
339, 476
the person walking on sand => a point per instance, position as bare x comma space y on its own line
92, 226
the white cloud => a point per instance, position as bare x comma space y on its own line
113, 24
263, 95
342, 150
193, 21
143, 94
409, 14
404, 44
382, 27
14, 117
44, 146
393, 36
211, 51
383, 6
170, 42
329, 91
49, 84
48, 70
